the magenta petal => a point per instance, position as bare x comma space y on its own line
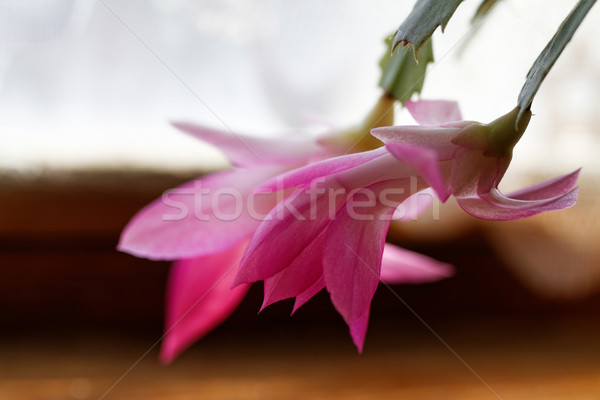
358, 330
402, 266
309, 293
434, 112
199, 298
285, 233
352, 262
319, 169
425, 162
550, 188
245, 151
299, 276
200, 217
497, 207
438, 139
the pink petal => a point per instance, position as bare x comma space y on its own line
199, 298
549, 188
352, 261
286, 232
415, 205
497, 207
385, 168
425, 162
472, 173
438, 139
309, 293
201, 217
302, 273
358, 330
402, 266
319, 169
475, 179
245, 151
434, 112
320, 284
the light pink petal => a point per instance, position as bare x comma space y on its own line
330, 166
380, 169
475, 179
472, 173
299, 276
309, 293
415, 205
550, 188
497, 207
246, 151
434, 112
201, 217
403, 266
352, 261
438, 139
199, 298
425, 162
286, 232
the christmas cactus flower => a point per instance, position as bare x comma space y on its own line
330, 233
205, 226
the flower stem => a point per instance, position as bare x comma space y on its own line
550, 54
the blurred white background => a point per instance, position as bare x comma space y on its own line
93, 84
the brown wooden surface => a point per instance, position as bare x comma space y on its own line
75, 315
517, 359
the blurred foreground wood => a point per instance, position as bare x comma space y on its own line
507, 359
76, 315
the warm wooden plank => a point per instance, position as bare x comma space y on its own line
58, 260
78, 202
60, 277
517, 359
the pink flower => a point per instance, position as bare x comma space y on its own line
315, 239
200, 224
